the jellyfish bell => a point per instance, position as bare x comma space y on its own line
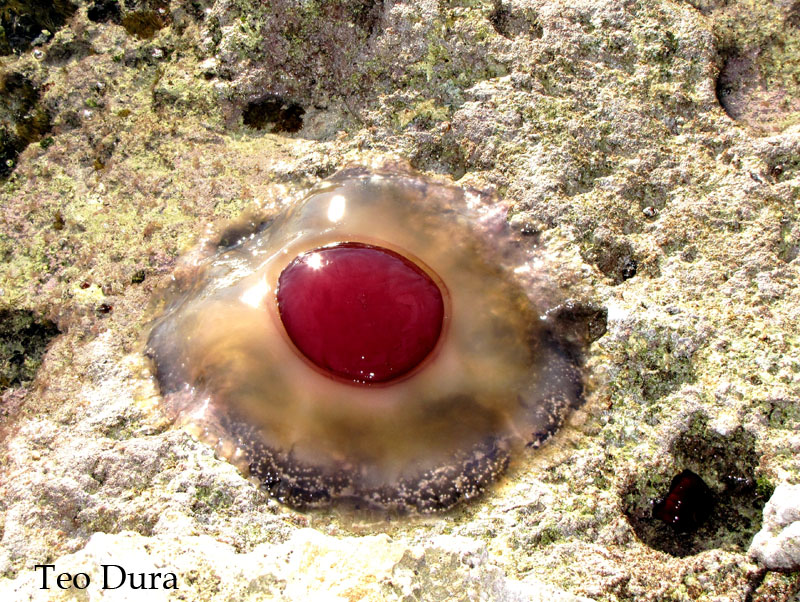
370, 344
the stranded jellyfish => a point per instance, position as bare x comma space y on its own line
371, 345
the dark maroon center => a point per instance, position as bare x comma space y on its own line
360, 312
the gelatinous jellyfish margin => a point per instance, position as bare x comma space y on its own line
374, 455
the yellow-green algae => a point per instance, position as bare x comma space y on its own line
611, 111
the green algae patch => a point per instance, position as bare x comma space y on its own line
23, 341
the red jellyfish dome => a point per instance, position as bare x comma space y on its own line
360, 312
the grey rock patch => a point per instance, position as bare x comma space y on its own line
777, 545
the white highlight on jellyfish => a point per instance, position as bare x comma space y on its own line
314, 261
336, 208
255, 295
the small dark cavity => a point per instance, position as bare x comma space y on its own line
277, 113
499, 18
511, 23
104, 308
736, 71
614, 257
147, 17
747, 94
793, 16
22, 118
579, 324
196, 9
687, 504
715, 501
24, 337
629, 268
784, 165
104, 11
58, 221
366, 14
138, 276
23, 22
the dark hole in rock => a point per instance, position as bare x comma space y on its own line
283, 116
146, 18
612, 256
22, 22
629, 267
366, 14
736, 70
103, 11
104, 308
58, 221
196, 9
793, 16
579, 323
784, 165
687, 504
23, 340
499, 18
138, 276
511, 23
752, 96
714, 491
22, 119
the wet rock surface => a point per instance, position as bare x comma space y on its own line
647, 150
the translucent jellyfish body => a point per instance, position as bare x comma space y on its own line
367, 346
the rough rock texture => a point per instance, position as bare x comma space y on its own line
777, 545
308, 566
651, 153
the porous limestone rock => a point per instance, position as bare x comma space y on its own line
777, 545
650, 148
